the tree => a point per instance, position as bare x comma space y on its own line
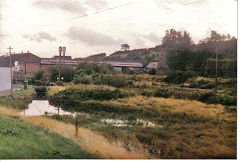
67, 72
125, 47
177, 40
215, 41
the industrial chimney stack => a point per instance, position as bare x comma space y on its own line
64, 51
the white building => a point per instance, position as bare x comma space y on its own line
5, 81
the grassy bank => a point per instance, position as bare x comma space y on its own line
20, 140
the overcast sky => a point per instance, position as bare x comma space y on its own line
89, 27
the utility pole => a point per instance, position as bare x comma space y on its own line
10, 51
216, 76
59, 65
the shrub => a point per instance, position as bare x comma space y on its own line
67, 72
75, 95
92, 68
82, 79
178, 77
113, 80
148, 92
161, 92
200, 82
212, 98
152, 71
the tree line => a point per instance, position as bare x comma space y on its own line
183, 54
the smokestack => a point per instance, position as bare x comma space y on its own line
60, 50
64, 51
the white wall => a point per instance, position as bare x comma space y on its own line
5, 78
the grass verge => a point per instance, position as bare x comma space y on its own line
20, 140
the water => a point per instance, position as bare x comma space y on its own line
42, 107
116, 122
146, 123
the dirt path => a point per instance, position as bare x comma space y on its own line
88, 140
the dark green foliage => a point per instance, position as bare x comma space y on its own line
162, 92
213, 98
226, 68
93, 68
202, 63
178, 77
110, 80
113, 80
130, 71
76, 95
67, 72
82, 79
9, 132
38, 75
184, 60
152, 71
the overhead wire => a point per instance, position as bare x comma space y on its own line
194, 2
86, 15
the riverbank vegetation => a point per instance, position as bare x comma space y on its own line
153, 118
167, 128
20, 99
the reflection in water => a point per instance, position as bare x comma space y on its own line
115, 122
146, 123
42, 107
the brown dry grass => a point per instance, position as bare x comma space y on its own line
176, 105
88, 140
9, 111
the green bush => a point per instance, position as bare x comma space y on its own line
92, 68
67, 72
75, 95
82, 79
148, 92
152, 71
113, 80
212, 98
178, 77
162, 92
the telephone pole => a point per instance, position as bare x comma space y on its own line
216, 76
59, 64
10, 52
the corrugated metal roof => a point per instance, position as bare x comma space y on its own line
125, 64
21, 58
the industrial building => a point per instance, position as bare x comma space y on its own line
28, 63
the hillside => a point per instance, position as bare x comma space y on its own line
137, 55
95, 57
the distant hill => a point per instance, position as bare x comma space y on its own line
95, 57
137, 55
144, 56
